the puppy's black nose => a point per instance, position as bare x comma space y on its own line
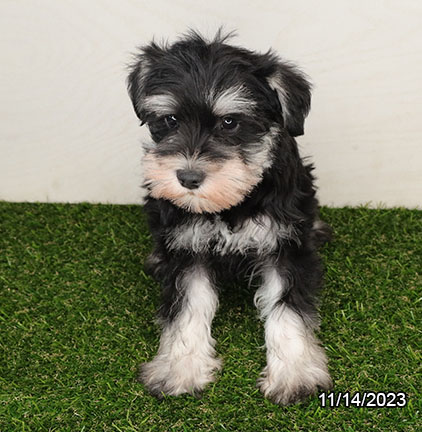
190, 179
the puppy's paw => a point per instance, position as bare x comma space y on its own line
188, 374
284, 389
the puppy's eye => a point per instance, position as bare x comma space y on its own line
229, 123
162, 126
171, 121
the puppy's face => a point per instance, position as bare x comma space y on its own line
214, 112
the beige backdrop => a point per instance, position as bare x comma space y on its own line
68, 133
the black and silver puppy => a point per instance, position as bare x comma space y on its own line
228, 191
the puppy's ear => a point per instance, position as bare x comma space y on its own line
138, 76
294, 94
135, 88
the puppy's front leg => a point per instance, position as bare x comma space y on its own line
296, 363
185, 362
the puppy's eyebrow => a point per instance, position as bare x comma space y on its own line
234, 100
160, 104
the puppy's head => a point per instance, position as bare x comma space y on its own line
214, 112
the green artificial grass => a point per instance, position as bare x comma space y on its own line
77, 317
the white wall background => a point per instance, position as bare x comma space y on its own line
68, 133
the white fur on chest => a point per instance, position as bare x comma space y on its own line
259, 235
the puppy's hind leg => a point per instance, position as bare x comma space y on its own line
186, 361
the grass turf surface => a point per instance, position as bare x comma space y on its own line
77, 317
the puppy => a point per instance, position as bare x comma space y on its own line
228, 193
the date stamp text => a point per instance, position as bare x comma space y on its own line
368, 399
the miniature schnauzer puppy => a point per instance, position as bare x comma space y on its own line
227, 192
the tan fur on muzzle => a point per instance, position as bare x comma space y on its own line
226, 183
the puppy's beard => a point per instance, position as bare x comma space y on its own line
226, 183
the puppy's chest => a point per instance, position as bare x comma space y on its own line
258, 235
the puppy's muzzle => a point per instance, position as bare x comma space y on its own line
190, 179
